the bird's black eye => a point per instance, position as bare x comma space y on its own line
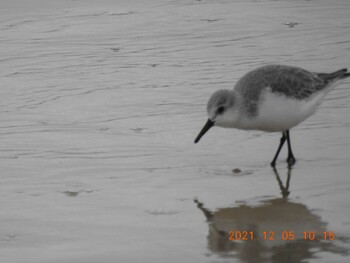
220, 110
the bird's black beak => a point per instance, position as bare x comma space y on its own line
206, 127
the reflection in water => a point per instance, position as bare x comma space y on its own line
284, 189
276, 231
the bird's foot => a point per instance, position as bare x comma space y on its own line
291, 160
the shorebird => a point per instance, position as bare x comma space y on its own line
273, 98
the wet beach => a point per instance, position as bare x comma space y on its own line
99, 107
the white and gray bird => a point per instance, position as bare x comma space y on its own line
273, 98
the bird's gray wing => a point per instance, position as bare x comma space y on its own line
289, 81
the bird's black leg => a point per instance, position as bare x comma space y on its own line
290, 158
283, 139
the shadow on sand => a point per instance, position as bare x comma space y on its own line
275, 230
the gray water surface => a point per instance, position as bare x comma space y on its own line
99, 107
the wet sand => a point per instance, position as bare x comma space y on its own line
100, 104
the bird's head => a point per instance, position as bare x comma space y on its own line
222, 111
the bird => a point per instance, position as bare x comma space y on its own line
271, 98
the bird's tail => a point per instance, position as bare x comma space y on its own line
347, 74
339, 74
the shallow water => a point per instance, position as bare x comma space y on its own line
99, 107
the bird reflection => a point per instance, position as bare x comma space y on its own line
284, 189
270, 216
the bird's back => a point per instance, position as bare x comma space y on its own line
292, 82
